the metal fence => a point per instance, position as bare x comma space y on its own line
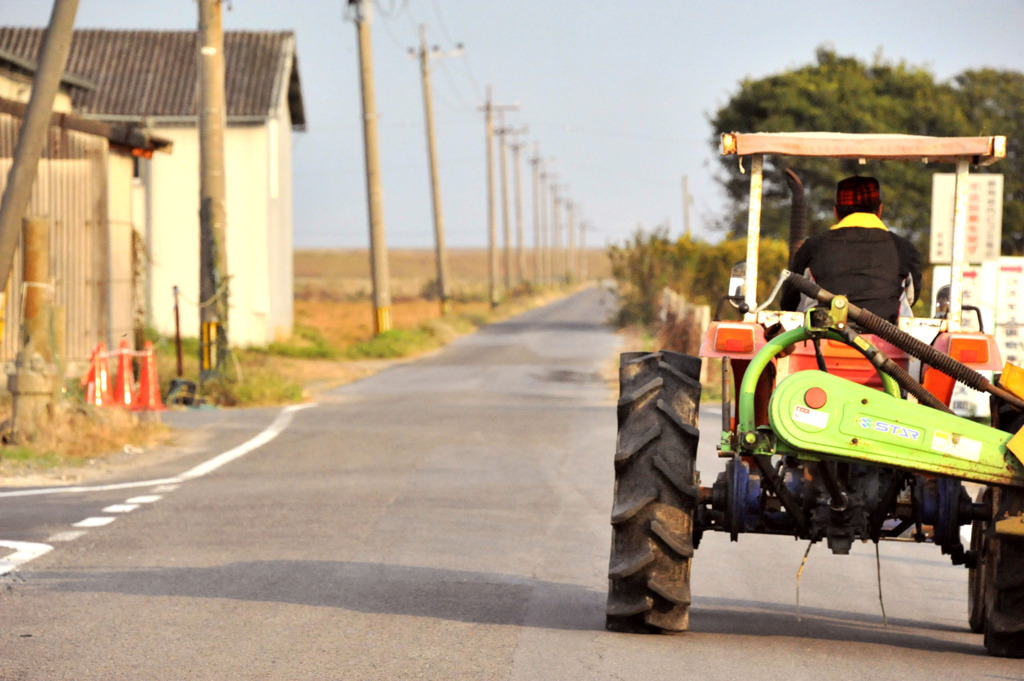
70, 192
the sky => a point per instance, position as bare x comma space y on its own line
616, 95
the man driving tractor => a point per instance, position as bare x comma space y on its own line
859, 256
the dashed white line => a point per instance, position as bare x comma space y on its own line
120, 508
146, 499
95, 521
26, 551
23, 552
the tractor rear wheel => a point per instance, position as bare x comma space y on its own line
656, 490
1004, 579
976, 575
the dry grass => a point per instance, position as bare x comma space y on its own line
72, 440
345, 273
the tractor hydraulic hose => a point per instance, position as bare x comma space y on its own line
884, 363
872, 323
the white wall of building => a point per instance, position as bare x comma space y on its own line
259, 246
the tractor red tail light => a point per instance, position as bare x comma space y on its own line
969, 350
734, 339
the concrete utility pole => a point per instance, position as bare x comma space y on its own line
583, 251
34, 381
556, 227
687, 200
571, 228
53, 57
213, 262
489, 108
503, 133
537, 252
503, 171
425, 56
520, 253
378, 247
549, 192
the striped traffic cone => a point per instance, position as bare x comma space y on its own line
149, 386
124, 389
97, 380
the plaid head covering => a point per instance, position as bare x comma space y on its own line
861, 192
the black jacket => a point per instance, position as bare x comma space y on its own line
868, 265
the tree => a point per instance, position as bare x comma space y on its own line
843, 94
993, 102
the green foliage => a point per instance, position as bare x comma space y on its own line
395, 343
993, 102
308, 343
843, 94
255, 388
649, 262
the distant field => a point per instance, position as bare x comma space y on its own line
344, 274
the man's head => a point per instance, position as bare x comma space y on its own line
858, 195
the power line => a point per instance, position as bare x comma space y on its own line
440, 22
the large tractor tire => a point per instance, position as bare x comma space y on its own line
976, 574
656, 490
1003, 570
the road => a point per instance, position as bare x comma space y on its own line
445, 519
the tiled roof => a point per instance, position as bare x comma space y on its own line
141, 74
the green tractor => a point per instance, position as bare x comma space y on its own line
836, 426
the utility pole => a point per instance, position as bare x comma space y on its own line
425, 56
213, 261
535, 162
53, 57
687, 200
556, 227
583, 251
520, 254
502, 131
378, 247
547, 196
570, 273
489, 108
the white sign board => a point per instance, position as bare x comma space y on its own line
984, 217
1010, 289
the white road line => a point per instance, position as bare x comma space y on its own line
95, 521
23, 552
271, 432
120, 508
26, 551
147, 499
78, 489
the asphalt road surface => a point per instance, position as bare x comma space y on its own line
445, 519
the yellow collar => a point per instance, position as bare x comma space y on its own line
868, 220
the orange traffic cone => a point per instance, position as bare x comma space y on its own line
124, 389
149, 386
97, 381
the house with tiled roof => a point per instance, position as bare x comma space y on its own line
149, 79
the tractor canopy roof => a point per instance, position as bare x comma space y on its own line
980, 150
